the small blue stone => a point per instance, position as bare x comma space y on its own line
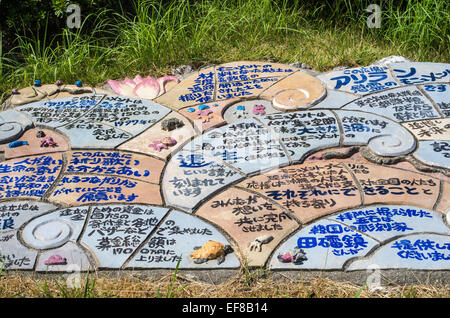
215, 105
191, 110
37, 83
202, 107
17, 143
240, 108
79, 83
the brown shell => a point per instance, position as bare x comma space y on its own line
210, 250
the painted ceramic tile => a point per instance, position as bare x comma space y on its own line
360, 80
335, 99
189, 178
55, 229
401, 105
434, 153
432, 129
114, 232
13, 214
68, 258
39, 141
132, 115
89, 188
303, 133
297, 91
321, 245
60, 111
411, 73
115, 163
153, 140
310, 190
29, 177
383, 137
383, 222
418, 251
197, 88
256, 224
246, 109
176, 239
248, 70
247, 145
396, 186
86, 134
13, 254
208, 115
440, 94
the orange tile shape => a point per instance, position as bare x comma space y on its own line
297, 91
197, 88
308, 190
115, 163
443, 205
77, 190
245, 217
141, 143
29, 177
34, 144
381, 184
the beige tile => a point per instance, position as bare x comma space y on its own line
381, 184
308, 190
297, 91
247, 70
197, 88
27, 95
245, 217
244, 89
205, 120
34, 144
432, 129
115, 163
75, 190
141, 142
443, 205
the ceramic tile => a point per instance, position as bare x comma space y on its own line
115, 163
114, 232
256, 224
189, 178
434, 153
175, 239
89, 188
360, 80
13, 214
246, 145
401, 105
305, 132
418, 251
325, 245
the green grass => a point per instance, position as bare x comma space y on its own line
171, 292
157, 37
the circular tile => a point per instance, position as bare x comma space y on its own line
46, 234
291, 99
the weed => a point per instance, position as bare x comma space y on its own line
360, 291
170, 289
